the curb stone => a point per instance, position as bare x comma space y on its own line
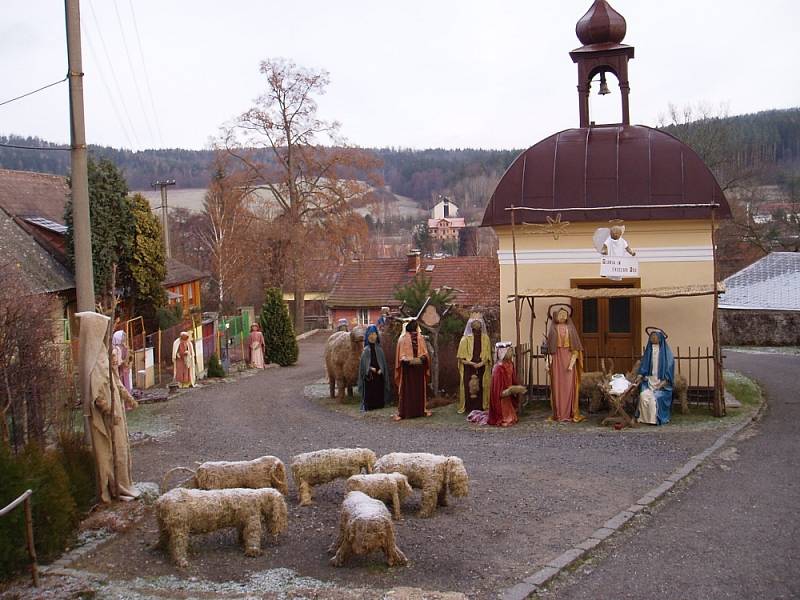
532, 584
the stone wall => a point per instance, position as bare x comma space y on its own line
759, 328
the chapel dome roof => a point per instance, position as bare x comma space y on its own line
607, 166
601, 25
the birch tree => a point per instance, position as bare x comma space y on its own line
227, 224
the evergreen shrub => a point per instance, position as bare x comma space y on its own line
55, 516
214, 367
276, 325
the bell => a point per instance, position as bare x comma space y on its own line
603, 85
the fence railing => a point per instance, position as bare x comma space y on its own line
25, 500
694, 364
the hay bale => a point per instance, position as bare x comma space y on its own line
389, 487
181, 512
264, 472
365, 525
435, 475
315, 468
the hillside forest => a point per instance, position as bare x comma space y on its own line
755, 157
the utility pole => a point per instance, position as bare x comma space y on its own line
82, 232
81, 226
162, 185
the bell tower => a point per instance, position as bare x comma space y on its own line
601, 31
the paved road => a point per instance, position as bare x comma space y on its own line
734, 530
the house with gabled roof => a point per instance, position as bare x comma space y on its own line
363, 287
35, 202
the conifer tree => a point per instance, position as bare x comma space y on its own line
279, 339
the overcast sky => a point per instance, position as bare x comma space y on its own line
410, 74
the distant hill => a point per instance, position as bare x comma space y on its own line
766, 138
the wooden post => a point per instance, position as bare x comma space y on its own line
157, 359
516, 286
29, 537
719, 385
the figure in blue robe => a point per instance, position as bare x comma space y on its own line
657, 375
373, 377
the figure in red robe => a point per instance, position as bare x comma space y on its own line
504, 396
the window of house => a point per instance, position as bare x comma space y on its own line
363, 316
191, 294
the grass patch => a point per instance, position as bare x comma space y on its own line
745, 390
150, 419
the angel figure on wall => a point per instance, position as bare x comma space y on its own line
566, 364
609, 240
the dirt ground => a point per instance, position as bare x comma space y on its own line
535, 489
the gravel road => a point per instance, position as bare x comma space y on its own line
535, 490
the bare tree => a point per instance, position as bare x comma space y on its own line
227, 223
301, 159
30, 361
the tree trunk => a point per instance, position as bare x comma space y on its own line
299, 305
435, 361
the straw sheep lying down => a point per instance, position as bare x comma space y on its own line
264, 472
181, 512
389, 487
365, 525
435, 475
322, 466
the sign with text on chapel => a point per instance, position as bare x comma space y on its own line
619, 266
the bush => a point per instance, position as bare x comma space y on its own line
214, 367
169, 316
279, 338
55, 515
78, 464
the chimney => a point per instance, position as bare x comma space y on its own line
413, 261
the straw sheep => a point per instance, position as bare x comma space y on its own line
264, 472
342, 356
435, 475
323, 466
389, 487
181, 512
365, 525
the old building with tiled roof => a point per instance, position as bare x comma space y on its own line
363, 287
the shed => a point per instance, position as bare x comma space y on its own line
762, 304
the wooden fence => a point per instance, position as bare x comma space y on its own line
25, 501
695, 364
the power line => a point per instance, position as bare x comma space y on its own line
32, 147
102, 78
113, 73
146, 75
133, 72
44, 87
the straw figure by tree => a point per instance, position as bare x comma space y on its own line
279, 339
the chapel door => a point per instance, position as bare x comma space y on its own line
609, 327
